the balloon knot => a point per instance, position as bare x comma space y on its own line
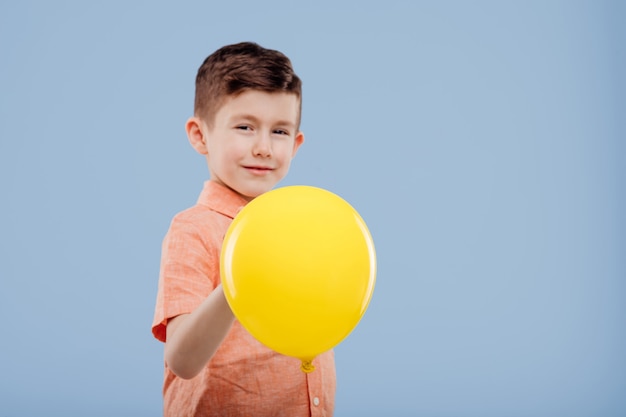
307, 366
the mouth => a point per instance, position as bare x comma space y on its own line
258, 170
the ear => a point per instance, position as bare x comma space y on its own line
196, 133
299, 140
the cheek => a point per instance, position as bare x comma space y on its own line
232, 152
286, 152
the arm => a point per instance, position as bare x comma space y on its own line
192, 339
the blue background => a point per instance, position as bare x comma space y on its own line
482, 142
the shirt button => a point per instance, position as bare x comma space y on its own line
316, 401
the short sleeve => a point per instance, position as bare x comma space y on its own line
189, 272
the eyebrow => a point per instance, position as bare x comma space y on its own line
255, 119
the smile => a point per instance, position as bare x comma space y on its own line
258, 170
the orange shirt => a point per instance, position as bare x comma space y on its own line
243, 378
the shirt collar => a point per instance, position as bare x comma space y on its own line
221, 199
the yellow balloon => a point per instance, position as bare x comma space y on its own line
298, 268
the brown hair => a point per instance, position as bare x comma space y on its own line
236, 68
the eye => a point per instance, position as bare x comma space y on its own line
281, 132
243, 127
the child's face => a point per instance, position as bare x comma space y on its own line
252, 140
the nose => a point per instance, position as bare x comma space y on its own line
262, 146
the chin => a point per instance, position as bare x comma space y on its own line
254, 189
253, 193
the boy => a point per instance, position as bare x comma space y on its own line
246, 124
